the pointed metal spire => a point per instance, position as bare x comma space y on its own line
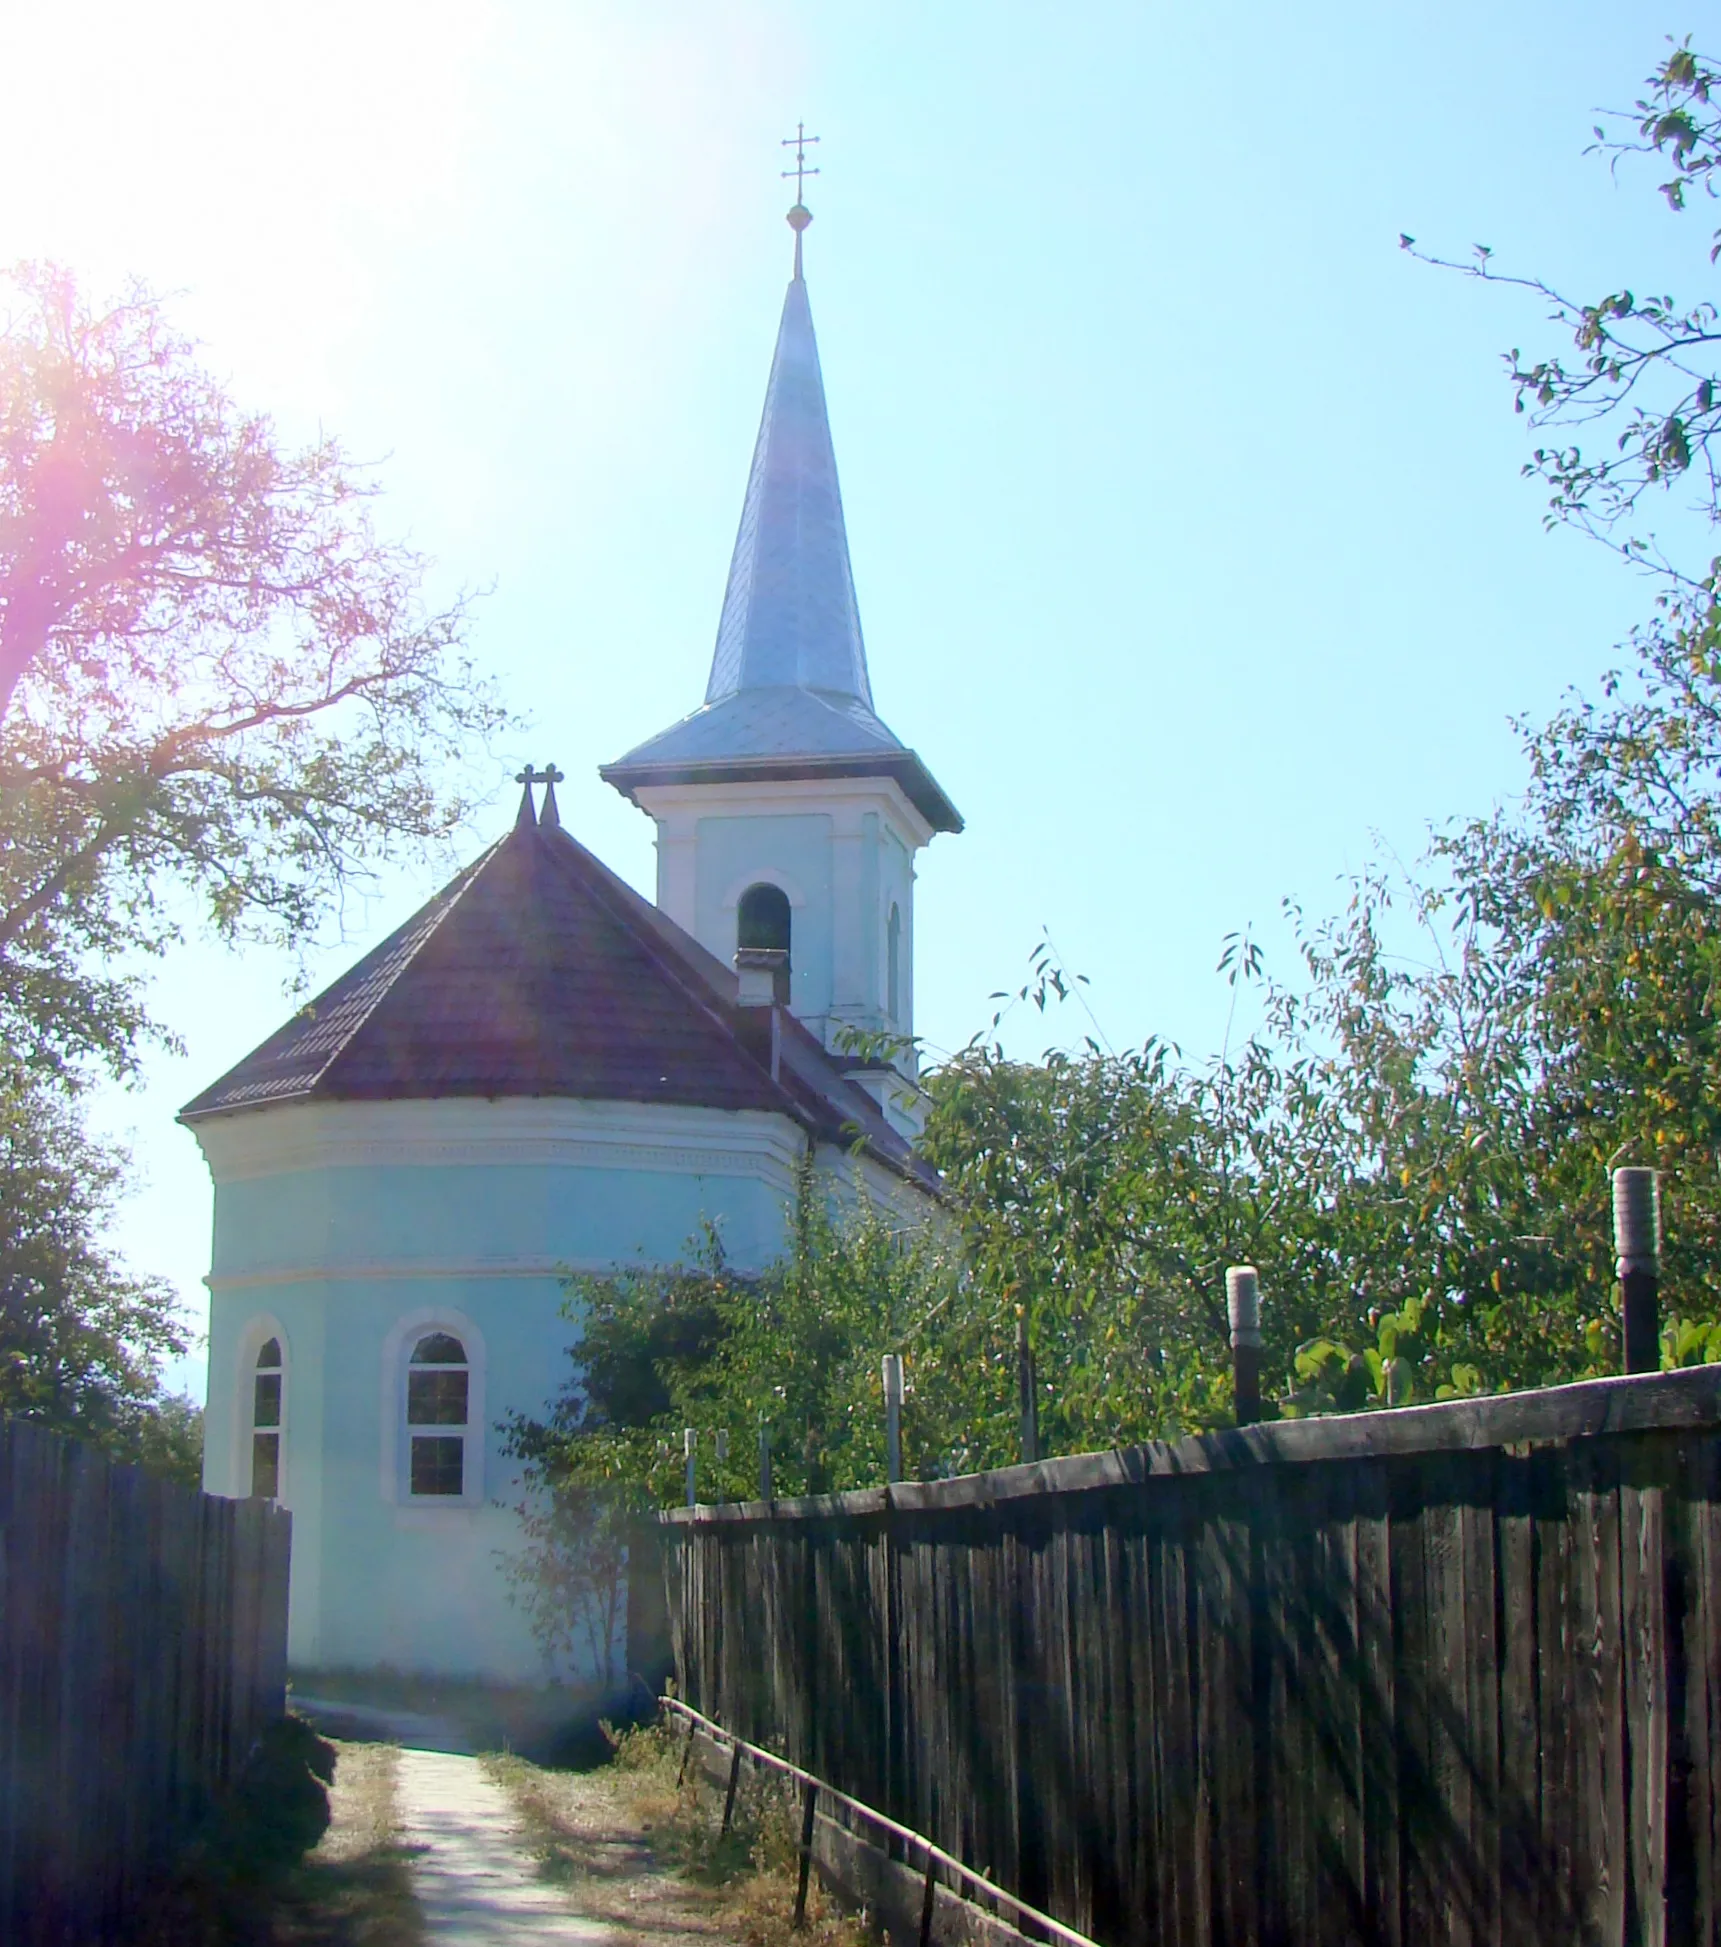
789, 614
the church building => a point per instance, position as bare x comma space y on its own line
543, 1072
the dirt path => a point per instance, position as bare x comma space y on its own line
475, 1882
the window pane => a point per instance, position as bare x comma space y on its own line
270, 1355
266, 1465
266, 1399
436, 1398
440, 1349
438, 1463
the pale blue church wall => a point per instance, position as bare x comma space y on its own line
377, 1578
336, 1261
420, 1213
793, 851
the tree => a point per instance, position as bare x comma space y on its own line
795, 1349
1595, 898
220, 693
1645, 372
216, 679
82, 1343
1360, 1149
1640, 390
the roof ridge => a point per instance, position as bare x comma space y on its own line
681, 971
813, 1104
449, 897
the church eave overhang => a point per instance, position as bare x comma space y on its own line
902, 766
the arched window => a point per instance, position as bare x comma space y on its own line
438, 1399
893, 964
266, 1419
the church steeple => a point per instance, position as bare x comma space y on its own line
784, 793
788, 695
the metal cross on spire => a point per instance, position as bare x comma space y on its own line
800, 216
798, 142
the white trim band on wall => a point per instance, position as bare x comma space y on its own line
268, 1141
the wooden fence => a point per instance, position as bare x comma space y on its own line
1445, 1674
143, 1648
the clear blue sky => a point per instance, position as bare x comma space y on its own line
1184, 507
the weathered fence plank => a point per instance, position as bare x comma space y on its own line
1444, 1675
142, 1651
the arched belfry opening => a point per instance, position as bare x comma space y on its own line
763, 925
762, 919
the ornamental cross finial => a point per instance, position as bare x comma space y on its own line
800, 216
798, 142
549, 777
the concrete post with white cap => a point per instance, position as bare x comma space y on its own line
1243, 1308
892, 1374
1637, 1248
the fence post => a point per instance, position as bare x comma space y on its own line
764, 1460
892, 1372
928, 1898
690, 1446
809, 1803
1243, 1308
1637, 1246
1027, 1398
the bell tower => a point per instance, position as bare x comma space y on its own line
788, 815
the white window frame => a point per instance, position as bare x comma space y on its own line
257, 1334
396, 1474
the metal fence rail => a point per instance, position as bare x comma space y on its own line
812, 1788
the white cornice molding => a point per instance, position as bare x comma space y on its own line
773, 797
248, 1144
406, 1270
